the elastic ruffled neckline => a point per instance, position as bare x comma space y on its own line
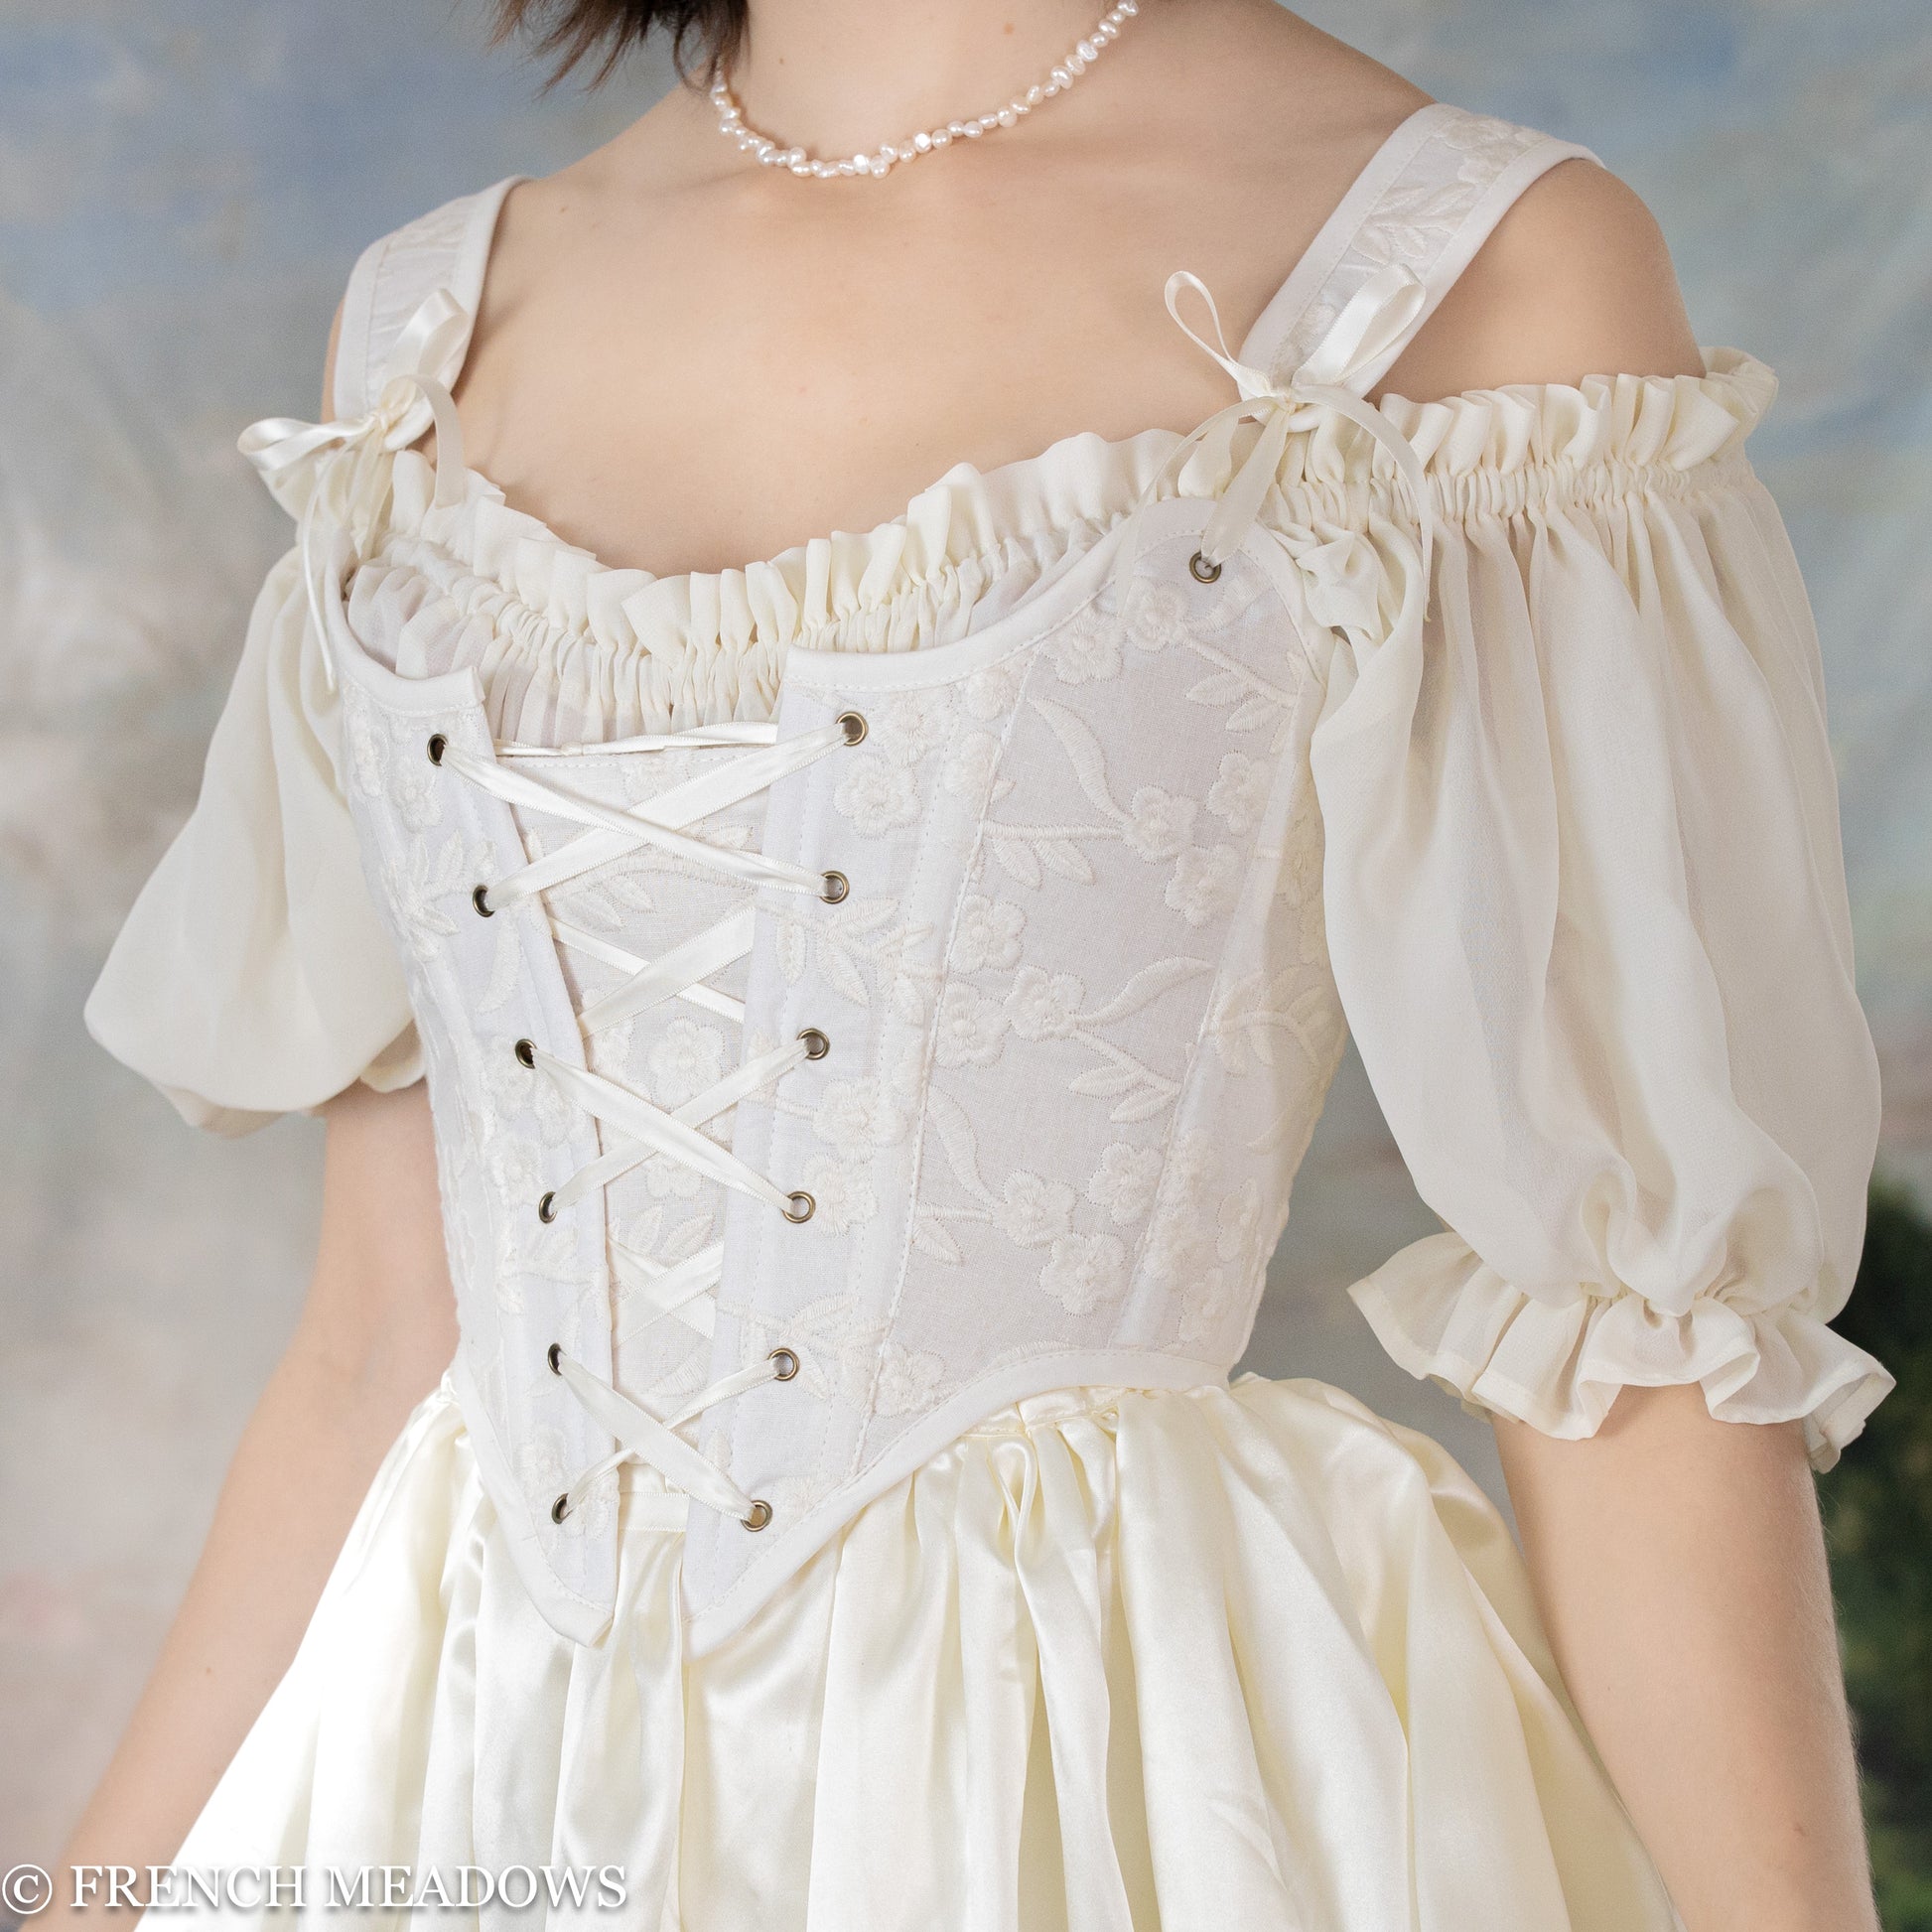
609, 648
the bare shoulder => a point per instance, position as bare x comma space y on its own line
1237, 68
1575, 281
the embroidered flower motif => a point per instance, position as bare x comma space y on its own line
1487, 144
969, 771
912, 724
988, 935
1125, 1181
1239, 794
1032, 1211
412, 791
1159, 823
685, 1060
908, 1378
1238, 1221
509, 1087
842, 1191
970, 1028
1086, 1270
1156, 615
608, 1048
1179, 1241
1086, 649
1206, 1300
515, 1171
856, 1116
992, 692
876, 796
1045, 1006
1205, 884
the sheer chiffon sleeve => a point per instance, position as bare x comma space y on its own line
252, 977
1588, 915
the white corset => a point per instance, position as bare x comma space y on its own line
1017, 1107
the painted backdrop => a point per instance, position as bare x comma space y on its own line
182, 188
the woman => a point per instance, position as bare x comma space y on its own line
861, 1136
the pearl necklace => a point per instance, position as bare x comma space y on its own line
733, 124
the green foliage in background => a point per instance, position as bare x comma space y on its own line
1877, 1506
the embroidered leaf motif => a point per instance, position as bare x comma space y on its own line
1144, 989
1064, 858
504, 974
1224, 688
841, 970
931, 1237
1251, 715
955, 1133
1082, 750
1016, 856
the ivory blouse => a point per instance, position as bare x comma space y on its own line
1582, 863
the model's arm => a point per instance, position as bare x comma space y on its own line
1680, 1571
376, 1331
1678, 1562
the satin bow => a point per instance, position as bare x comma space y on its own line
1375, 320
329, 473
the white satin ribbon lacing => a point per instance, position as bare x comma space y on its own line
329, 474
637, 1128
1379, 315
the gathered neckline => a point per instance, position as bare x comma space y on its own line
570, 647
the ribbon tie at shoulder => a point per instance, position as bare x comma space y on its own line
330, 474
421, 365
1375, 319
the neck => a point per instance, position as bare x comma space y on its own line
842, 75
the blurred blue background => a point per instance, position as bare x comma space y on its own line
183, 189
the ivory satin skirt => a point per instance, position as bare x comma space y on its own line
1228, 1660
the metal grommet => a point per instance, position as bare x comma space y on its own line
526, 1051
1201, 571
799, 1207
436, 746
554, 1355
784, 1364
547, 1207
853, 723
815, 1043
834, 889
560, 1508
758, 1515
480, 898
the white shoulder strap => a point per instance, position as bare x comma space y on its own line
1428, 201
447, 249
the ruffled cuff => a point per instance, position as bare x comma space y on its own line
1441, 1311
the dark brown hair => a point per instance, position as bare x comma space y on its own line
569, 33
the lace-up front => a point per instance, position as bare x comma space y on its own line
634, 1128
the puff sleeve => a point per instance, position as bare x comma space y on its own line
1587, 915
252, 977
